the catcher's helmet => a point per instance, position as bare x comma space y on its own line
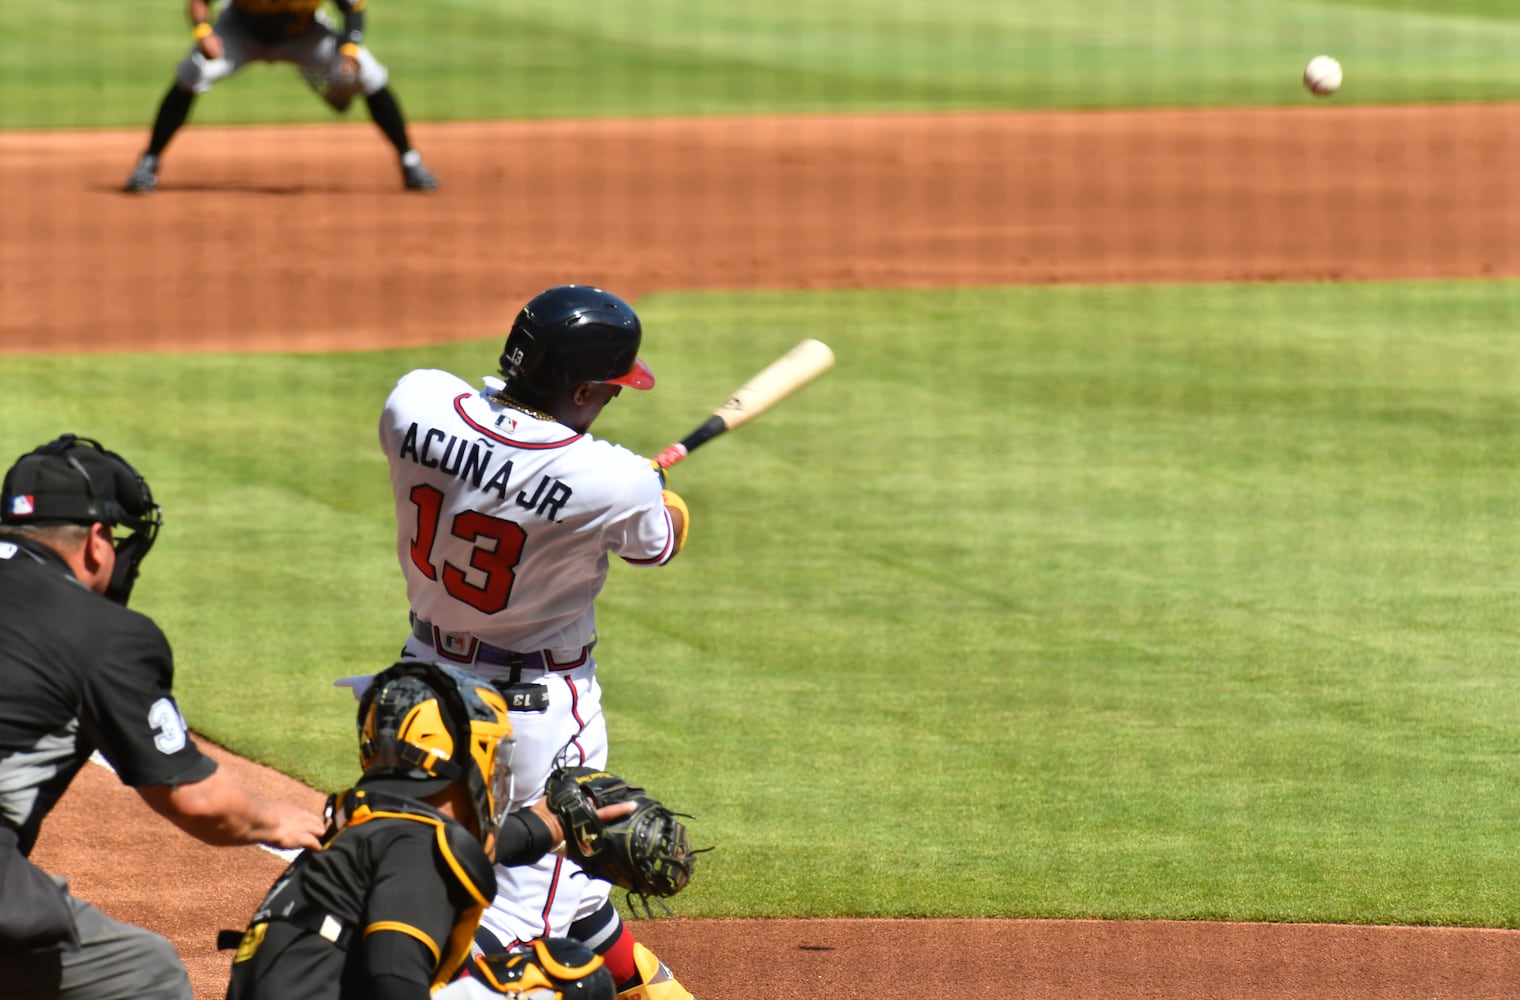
74, 480
573, 334
415, 721
547, 969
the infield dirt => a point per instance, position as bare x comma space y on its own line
301, 239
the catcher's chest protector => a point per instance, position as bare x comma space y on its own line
292, 914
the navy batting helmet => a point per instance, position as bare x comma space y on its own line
573, 334
547, 969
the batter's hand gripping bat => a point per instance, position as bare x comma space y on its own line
773, 383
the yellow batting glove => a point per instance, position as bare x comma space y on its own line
673, 501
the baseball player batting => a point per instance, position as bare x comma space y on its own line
334, 62
507, 510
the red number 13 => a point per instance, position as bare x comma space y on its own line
497, 563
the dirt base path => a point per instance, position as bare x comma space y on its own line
300, 239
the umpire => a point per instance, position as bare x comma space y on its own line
82, 673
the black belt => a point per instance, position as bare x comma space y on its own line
482, 652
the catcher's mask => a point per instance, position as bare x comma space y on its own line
573, 334
547, 969
416, 718
74, 480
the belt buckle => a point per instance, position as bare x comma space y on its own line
455, 645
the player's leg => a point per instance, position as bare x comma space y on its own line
194, 75
554, 898
415, 175
113, 960
317, 51
638, 972
544, 898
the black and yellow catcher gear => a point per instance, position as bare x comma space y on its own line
547, 969
414, 720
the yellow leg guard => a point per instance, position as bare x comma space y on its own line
658, 983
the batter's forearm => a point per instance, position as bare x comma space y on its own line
198, 11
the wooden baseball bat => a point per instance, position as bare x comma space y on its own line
770, 385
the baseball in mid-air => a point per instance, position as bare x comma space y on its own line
1322, 76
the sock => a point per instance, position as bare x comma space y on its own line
619, 959
387, 114
603, 932
171, 115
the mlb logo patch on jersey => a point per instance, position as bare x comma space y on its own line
455, 644
21, 505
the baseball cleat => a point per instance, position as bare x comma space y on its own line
418, 177
144, 177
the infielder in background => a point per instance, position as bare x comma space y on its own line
507, 511
335, 63
81, 672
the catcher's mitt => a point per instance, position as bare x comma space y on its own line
646, 852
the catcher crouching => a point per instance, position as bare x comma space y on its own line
387, 909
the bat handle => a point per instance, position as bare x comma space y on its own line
711, 428
670, 456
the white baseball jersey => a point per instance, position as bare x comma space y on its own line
505, 521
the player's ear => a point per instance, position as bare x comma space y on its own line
100, 539
98, 557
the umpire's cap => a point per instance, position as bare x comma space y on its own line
572, 334
561, 968
73, 479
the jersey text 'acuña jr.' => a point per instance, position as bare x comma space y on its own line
487, 495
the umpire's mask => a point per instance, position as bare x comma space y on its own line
74, 480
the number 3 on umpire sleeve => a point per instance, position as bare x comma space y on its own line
495, 564
169, 726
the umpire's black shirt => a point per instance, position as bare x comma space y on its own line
79, 673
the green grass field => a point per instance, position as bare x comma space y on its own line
76, 63
1129, 602
1189, 602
